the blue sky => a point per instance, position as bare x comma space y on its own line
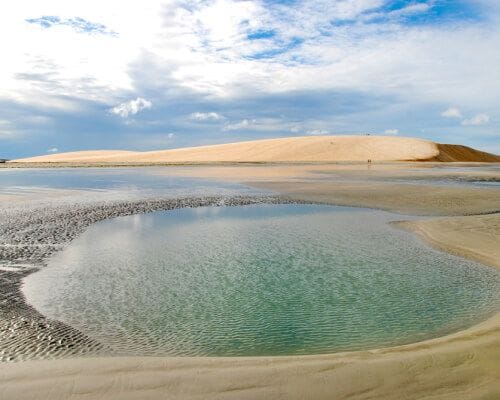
161, 74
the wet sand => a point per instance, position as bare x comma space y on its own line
464, 365
400, 198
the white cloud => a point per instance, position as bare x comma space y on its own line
362, 56
176, 47
391, 131
411, 9
209, 116
131, 107
170, 135
245, 123
92, 67
317, 132
79, 24
264, 125
479, 119
203, 46
52, 150
452, 112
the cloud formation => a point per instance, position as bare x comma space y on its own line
206, 116
452, 112
391, 131
293, 66
477, 120
77, 23
131, 107
244, 123
316, 132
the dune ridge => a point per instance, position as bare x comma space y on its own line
292, 149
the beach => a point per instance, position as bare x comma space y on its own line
250, 200
460, 219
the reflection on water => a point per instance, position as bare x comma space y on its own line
128, 181
259, 280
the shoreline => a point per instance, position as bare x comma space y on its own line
364, 374
432, 232
458, 365
30, 237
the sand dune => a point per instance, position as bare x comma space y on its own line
295, 149
455, 152
81, 156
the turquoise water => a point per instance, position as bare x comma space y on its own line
259, 280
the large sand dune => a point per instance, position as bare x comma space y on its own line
80, 156
294, 149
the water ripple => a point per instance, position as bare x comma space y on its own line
259, 280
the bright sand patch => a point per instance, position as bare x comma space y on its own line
454, 235
459, 366
296, 149
76, 156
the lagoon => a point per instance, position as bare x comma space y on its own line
259, 280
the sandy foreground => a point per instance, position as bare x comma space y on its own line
464, 365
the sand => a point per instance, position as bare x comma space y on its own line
295, 149
400, 198
464, 365
76, 156
454, 235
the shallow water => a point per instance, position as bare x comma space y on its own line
141, 181
259, 280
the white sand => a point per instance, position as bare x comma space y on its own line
464, 365
295, 149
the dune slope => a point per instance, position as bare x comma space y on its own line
454, 152
80, 156
294, 149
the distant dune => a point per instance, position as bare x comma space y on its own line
294, 149
79, 156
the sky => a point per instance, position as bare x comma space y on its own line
149, 74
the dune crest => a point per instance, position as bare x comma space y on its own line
293, 149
